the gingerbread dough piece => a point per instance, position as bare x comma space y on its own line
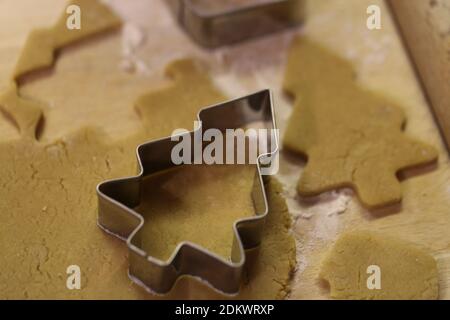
350, 136
25, 113
42, 43
391, 268
48, 208
39, 53
160, 104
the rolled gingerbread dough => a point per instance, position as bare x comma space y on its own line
48, 208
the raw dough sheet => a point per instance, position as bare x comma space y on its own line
150, 39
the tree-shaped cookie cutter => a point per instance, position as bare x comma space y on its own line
225, 26
118, 198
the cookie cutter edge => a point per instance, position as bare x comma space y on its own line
215, 29
118, 197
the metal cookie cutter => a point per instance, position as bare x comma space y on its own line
216, 23
117, 198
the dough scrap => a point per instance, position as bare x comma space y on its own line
38, 53
48, 209
23, 112
42, 43
351, 137
407, 272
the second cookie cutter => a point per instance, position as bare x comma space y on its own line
229, 25
118, 198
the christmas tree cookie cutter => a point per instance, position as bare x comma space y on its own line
117, 198
213, 28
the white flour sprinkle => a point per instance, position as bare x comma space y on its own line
132, 38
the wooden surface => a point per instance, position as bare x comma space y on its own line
382, 65
340, 25
426, 29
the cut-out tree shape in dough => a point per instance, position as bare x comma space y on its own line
38, 53
351, 137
